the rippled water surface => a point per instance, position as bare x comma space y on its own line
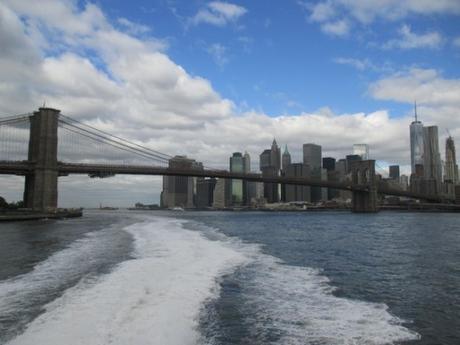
231, 278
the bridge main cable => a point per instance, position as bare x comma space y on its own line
117, 146
123, 141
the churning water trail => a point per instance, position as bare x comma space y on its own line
292, 305
154, 298
174, 277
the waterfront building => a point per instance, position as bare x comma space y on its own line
222, 196
295, 192
404, 182
179, 191
249, 187
237, 165
329, 163
341, 168
275, 156
312, 156
361, 150
451, 169
394, 172
265, 159
416, 143
286, 159
205, 192
432, 165
350, 159
270, 164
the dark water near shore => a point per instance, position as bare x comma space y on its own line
235, 278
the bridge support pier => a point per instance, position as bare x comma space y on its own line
363, 174
40, 190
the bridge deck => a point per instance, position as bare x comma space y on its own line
25, 167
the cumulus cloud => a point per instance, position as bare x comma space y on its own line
410, 40
129, 86
219, 13
328, 12
336, 28
437, 97
132, 27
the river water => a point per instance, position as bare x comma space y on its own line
231, 278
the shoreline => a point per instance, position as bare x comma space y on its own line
14, 216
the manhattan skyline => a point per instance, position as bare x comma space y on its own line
207, 79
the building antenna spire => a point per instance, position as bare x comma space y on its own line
415, 110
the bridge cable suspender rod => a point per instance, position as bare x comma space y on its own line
166, 156
108, 141
113, 145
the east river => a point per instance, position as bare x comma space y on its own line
126, 277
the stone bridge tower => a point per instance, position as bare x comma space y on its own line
40, 190
363, 174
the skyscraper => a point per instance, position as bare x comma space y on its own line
431, 157
237, 166
275, 156
180, 190
394, 172
416, 143
312, 156
247, 162
361, 150
270, 164
451, 175
329, 163
249, 187
286, 160
297, 192
265, 159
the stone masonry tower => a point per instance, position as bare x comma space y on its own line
40, 192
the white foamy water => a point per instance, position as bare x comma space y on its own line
300, 304
64, 266
157, 297
153, 299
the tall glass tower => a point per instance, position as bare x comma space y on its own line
416, 143
451, 175
237, 165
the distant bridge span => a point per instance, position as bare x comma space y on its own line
64, 169
43, 168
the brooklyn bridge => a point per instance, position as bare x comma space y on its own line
49, 132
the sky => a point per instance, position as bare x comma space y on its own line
208, 78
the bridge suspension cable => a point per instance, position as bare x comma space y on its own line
8, 120
105, 139
125, 141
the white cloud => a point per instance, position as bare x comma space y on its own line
361, 65
337, 28
410, 40
219, 13
218, 53
328, 12
437, 97
322, 11
128, 86
133, 28
424, 85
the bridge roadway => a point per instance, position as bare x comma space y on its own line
26, 167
